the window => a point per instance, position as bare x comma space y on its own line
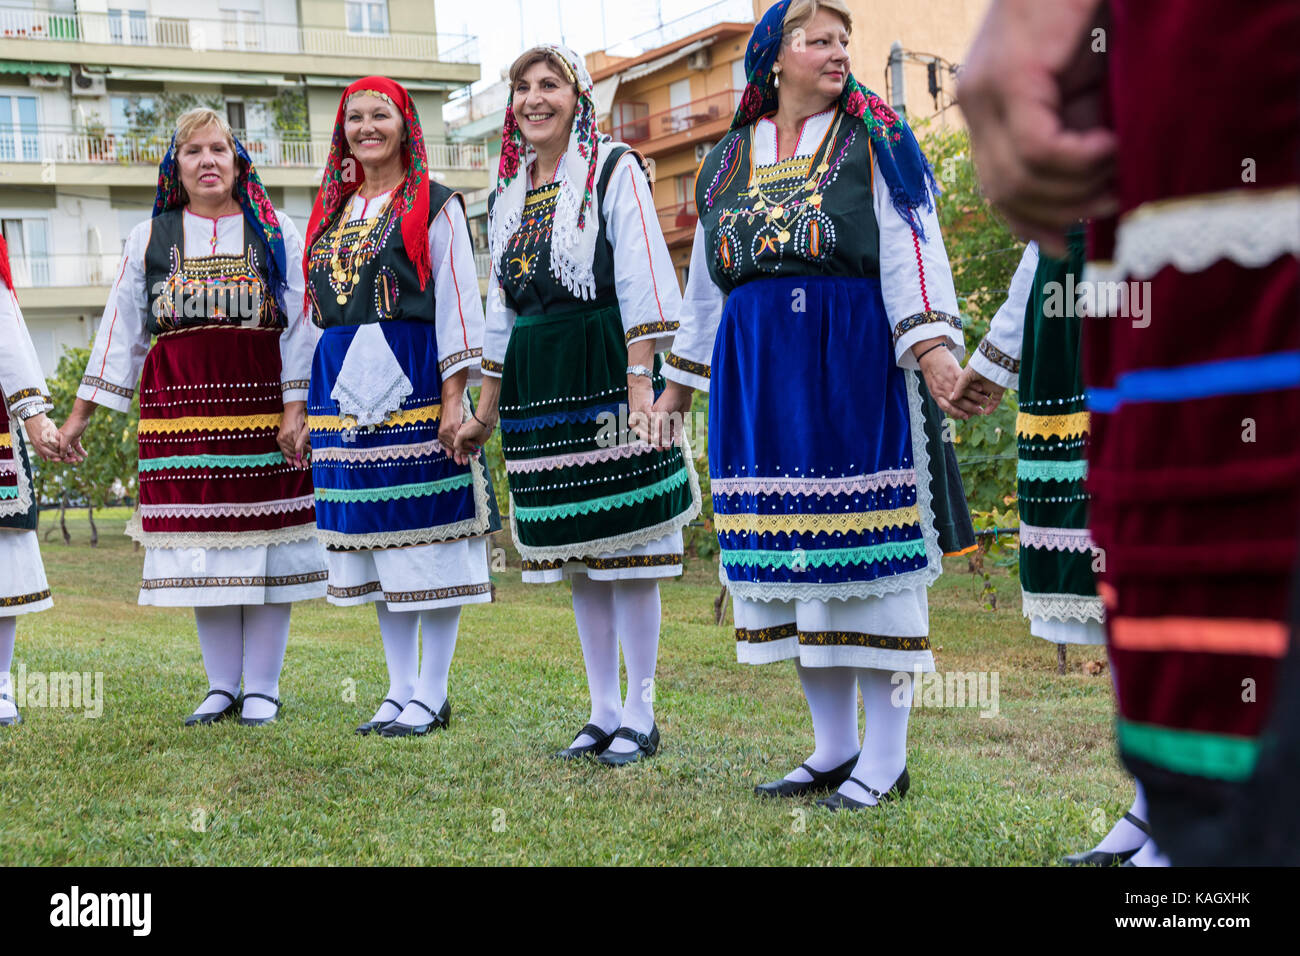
128, 26
738, 80
29, 250
19, 129
367, 16
241, 29
131, 113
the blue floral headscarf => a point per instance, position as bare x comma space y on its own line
253, 200
905, 168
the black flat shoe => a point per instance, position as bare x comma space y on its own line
837, 801
197, 719
372, 725
1106, 857
646, 746
261, 721
821, 780
441, 719
602, 738
13, 721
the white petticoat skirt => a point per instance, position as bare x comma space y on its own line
23, 588
418, 578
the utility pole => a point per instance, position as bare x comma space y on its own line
897, 94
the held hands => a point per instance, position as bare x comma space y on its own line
294, 438
640, 404
471, 436
942, 373
69, 438
668, 414
973, 387
44, 437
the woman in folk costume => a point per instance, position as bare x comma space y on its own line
390, 278
1033, 345
582, 295
226, 512
818, 286
23, 400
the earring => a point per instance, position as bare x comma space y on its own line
776, 78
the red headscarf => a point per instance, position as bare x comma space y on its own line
411, 198
5, 272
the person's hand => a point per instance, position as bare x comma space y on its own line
640, 402
1031, 92
471, 436
69, 436
294, 438
44, 437
669, 414
974, 387
941, 373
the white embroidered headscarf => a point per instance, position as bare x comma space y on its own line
575, 224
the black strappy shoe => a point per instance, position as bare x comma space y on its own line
1106, 857
261, 721
821, 780
603, 739
372, 725
196, 719
646, 746
837, 801
16, 719
441, 719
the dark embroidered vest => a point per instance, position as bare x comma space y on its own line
524, 266
366, 266
807, 215
184, 292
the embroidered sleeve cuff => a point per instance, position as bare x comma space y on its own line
492, 368
294, 390
467, 358
926, 325
661, 332
996, 365
685, 372
101, 392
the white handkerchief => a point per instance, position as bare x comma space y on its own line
371, 383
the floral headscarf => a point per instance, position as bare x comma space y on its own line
905, 168
343, 176
252, 198
574, 228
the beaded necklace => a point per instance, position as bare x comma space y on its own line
345, 276
774, 209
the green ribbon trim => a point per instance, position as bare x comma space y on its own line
9, 492
869, 554
211, 461
1046, 470
607, 503
393, 492
1192, 752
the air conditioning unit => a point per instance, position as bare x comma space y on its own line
699, 60
87, 84
43, 82
702, 150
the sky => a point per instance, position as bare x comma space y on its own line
505, 28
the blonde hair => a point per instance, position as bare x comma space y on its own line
190, 123
801, 13
540, 54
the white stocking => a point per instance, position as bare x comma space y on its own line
832, 694
266, 635
593, 612
438, 632
884, 736
401, 633
8, 629
221, 639
636, 617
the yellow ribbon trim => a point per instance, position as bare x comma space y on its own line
218, 423
1052, 426
6, 440
407, 416
814, 524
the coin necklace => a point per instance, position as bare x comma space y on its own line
341, 273
774, 210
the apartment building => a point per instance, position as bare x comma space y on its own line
89, 90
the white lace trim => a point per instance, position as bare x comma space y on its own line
370, 383
1250, 227
468, 528
219, 540
1062, 607
617, 542
1056, 539
231, 509
17, 506
857, 484
842, 591
613, 453
379, 453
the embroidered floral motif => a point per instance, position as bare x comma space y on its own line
21, 599
855, 639
95, 382
494, 367
686, 365
925, 318
457, 358
281, 581
649, 328
763, 635
999, 357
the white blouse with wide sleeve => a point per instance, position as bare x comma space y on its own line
998, 355
22, 385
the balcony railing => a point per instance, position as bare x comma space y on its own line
699, 112
63, 270
48, 145
680, 216
119, 28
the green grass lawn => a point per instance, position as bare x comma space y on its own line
134, 787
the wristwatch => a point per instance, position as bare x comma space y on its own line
639, 370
